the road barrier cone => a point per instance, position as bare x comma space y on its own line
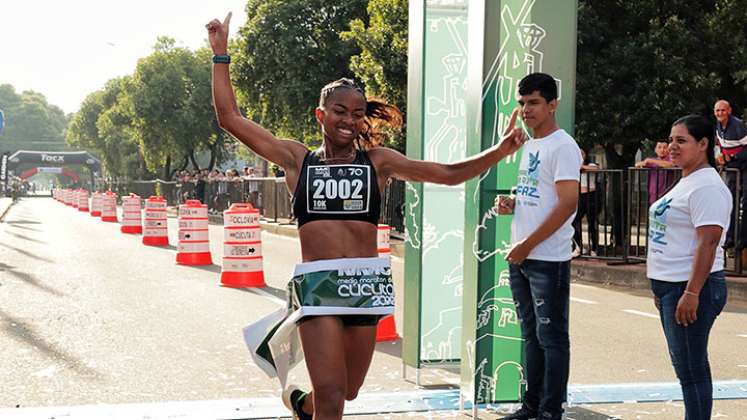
386, 330
74, 198
96, 204
156, 230
242, 247
194, 238
131, 218
83, 200
109, 207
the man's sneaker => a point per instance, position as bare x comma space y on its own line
293, 399
549, 416
524, 413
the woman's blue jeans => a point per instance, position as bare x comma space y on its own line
688, 346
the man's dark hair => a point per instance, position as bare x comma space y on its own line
701, 127
542, 82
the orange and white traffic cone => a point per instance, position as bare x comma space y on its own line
96, 204
74, 198
109, 207
83, 200
386, 330
194, 238
242, 247
68, 197
131, 220
156, 231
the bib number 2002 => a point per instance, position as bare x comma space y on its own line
337, 188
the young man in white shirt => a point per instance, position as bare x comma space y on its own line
541, 233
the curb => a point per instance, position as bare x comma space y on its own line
5, 205
633, 276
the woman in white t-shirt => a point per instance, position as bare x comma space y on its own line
685, 260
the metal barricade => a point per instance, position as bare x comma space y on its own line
601, 215
646, 186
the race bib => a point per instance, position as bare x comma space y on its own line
338, 189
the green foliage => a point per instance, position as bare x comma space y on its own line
30, 119
382, 63
643, 64
288, 50
729, 58
161, 114
104, 126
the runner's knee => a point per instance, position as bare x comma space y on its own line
329, 397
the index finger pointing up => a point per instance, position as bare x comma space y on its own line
512, 121
227, 20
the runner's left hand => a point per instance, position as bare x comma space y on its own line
513, 137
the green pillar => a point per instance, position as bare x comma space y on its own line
508, 39
435, 213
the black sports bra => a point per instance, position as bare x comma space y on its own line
337, 192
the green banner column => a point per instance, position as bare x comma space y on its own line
413, 191
508, 40
435, 213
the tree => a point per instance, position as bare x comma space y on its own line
170, 103
382, 63
286, 52
728, 61
640, 66
30, 118
104, 125
639, 69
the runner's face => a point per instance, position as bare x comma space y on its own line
342, 117
535, 110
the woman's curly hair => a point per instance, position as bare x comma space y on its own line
380, 115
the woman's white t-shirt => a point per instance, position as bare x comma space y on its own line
699, 199
544, 162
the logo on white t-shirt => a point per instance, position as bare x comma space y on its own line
528, 185
534, 162
658, 227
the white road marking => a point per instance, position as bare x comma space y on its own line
583, 286
742, 335
579, 300
646, 314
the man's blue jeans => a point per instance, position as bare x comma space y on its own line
541, 292
688, 346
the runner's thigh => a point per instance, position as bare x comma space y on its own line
323, 343
360, 342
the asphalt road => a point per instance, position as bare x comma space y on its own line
89, 315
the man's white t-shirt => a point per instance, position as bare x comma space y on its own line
544, 162
699, 199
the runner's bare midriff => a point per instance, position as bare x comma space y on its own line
327, 239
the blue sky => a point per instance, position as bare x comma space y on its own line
68, 49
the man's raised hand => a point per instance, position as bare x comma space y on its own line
218, 34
